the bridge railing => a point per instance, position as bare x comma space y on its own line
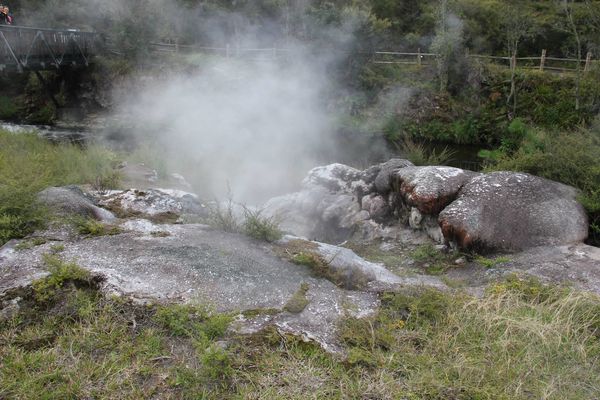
35, 48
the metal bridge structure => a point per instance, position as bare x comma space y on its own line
35, 49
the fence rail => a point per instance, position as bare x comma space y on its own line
543, 62
39, 49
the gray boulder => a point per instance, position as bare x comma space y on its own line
71, 200
336, 203
383, 181
513, 211
430, 189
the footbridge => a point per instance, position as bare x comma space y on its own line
35, 49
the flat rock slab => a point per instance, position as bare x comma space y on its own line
576, 265
70, 200
514, 211
430, 189
197, 264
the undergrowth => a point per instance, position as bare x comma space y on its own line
69, 341
522, 340
29, 164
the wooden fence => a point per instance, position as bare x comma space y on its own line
541, 63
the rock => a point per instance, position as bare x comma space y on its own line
337, 203
460, 261
153, 202
383, 181
514, 211
430, 189
574, 265
71, 200
180, 180
197, 264
351, 271
426, 223
415, 218
333, 177
377, 206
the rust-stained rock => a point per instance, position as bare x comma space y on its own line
430, 189
514, 211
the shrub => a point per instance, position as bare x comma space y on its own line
8, 108
419, 155
91, 227
60, 272
259, 227
222, 216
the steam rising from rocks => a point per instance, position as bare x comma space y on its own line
256, 127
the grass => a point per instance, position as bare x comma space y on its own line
68, 341
222, 216
91, 227
419, 155
259, 227
433, 261
29, 164
522, 340
491, 262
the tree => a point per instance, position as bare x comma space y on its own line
517, 27
446, 43
572, 27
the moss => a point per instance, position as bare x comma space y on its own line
298, 302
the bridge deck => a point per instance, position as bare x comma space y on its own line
36, 49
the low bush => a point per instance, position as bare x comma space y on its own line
9, 108
260, 227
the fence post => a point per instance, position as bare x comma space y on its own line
588, 62
419, 56
513, 62
543, 60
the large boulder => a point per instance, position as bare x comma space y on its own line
337, 202
71, 200
430, 189
513, 211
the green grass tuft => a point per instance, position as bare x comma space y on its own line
259, 227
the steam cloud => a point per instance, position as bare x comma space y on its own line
256, 127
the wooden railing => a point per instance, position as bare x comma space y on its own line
40, 49
542, 63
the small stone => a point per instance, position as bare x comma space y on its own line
460, 261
